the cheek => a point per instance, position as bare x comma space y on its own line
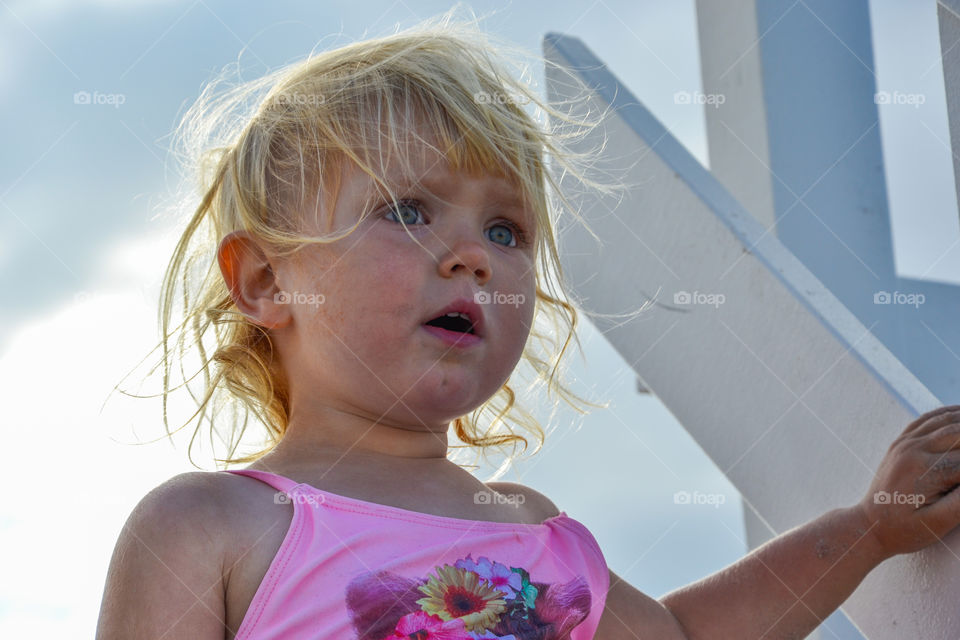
516, 318
377, 294
527, 292
393, 282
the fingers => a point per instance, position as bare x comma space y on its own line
932, 420
941, 477
946, 438
941, 514
944, 468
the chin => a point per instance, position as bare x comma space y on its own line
446, 399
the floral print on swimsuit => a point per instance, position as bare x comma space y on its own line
469, 600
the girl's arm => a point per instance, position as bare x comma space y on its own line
786, 587
630, 614
165, 578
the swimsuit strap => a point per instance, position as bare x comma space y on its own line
278, 482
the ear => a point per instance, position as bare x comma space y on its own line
250, 277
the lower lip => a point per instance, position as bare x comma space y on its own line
453, 338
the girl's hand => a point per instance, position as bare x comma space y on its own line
913, 500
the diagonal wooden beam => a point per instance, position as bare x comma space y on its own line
784, 388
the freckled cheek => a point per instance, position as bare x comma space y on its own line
381, 296
394, 282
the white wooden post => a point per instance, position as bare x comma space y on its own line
948, 15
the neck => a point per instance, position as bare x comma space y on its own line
311, 444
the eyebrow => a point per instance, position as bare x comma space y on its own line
505, 193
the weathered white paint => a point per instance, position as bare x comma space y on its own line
790, 395
737, 123
948, 15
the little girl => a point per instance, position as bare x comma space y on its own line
383, 227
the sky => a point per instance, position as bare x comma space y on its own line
84, 238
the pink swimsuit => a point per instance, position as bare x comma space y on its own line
350, 569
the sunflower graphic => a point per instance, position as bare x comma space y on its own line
459, 593
470, 600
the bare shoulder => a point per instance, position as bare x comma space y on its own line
165, 575
196, 504
195, 498
538, 505
205, 505
242, 504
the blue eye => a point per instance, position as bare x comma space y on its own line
516, 233
406, 205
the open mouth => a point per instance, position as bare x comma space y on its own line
453, 322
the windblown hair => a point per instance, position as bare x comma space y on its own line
265, 151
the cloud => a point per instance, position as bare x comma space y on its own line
66, 452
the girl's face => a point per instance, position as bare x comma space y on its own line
358, 341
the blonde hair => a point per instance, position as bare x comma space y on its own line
265, 149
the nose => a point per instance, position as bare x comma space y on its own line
468, 256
